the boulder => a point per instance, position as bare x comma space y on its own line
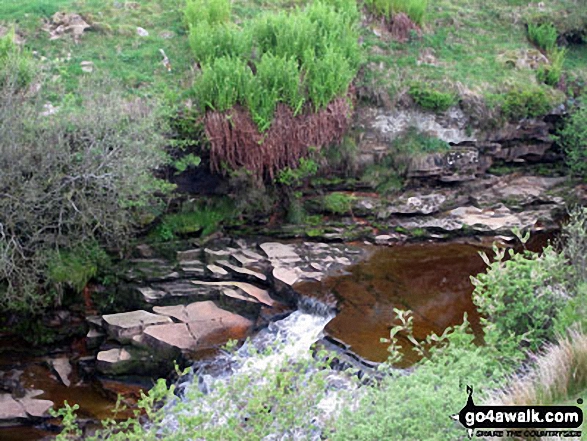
204, 325
123, 326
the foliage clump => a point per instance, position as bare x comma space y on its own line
69, 180
573, 139
16, 64
432, 99
519, 297
524, 102
266, 87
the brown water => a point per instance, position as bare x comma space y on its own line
432, 280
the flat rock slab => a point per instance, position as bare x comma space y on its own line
194, 336
63, 369
125, 325
131, 360
280, 251
242, 271
419, 204
206, 311
262, 295
189, 255
12, 410
204, 325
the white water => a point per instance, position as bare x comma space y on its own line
282, 343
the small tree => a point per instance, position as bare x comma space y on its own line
77, 177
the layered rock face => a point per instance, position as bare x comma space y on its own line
207, 296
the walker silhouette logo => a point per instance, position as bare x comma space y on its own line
504, 420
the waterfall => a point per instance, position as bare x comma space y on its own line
281, 345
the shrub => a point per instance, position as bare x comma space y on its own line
573, 139
223, 83
519, 297
527, 102
417, 405
551, 73
543, 35
204, 218
207, 11
77, 266
318, 44
338, 203
209, 42
16, 65
432, 99
79, 176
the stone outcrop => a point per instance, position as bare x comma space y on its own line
204, 298
473, 149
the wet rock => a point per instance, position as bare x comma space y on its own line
94, 338
123, 326
499, 219
145, 251
10, 409
417, 204
34, 407
189, 255
182, 292
204, 326
151, 295
521, 190
243, 272
217, 272
62, 368
131, 360
261, 295
279, 251
15, 410
151, 270
289, 276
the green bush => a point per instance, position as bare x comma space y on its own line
80, 176
529, 102
418, 405
77, 266
519, 297
223, 83
573, 139
338, 203
204, 218
432, 99
209, 42
207, 11
16, 65
551, 73
543, 35
304, 55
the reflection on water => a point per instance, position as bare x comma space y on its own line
432, 280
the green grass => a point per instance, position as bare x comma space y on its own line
112, 44
13, 10
463, 48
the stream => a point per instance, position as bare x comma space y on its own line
431, 279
